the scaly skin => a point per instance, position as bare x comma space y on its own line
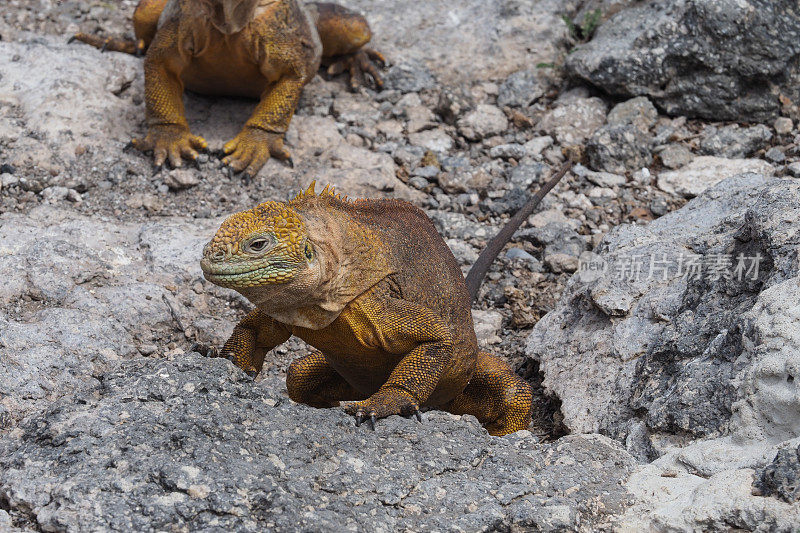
265, 49
374, 288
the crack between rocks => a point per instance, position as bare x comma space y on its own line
29, 518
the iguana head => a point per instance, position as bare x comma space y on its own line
266, 245
301, 261
230, 16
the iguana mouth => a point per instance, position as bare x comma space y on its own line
229, 275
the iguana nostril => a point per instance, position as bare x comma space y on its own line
219, 255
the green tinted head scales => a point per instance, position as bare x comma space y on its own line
266, 245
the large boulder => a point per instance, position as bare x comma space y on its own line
194, 443
681, 339
717, 59
80, 294
666, 327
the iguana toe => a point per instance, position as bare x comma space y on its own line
357, 65
204, 350
386, 402
249, 151
141, 48
170, 141
362, 417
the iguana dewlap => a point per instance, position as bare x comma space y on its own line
265, 49
373, 287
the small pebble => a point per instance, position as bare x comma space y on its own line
775, 155
427, 172
178, 180
642, 176
659, 206
418, 182
783, 125
74, 196
8, 180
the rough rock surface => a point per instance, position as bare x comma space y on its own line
573, 120
467, 40
617, 148
684, 339
781, 477
703, 172
733, 141
193, 443
718, 59
94, 292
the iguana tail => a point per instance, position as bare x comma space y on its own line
135, 48
495, 246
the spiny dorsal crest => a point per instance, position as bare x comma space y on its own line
328, 191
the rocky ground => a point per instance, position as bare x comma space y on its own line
107, 422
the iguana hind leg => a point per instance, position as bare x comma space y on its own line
312, 381
344, 34
145, 24
496, 396
110, 44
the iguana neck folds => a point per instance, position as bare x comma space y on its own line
231, 16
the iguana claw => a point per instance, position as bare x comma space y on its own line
204, 350
362, 417
252, 148
357, 65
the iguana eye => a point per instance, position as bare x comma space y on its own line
309, 251
257, 245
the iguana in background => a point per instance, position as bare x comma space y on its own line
265, 49
373, 286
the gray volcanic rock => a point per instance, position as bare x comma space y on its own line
464, 41
521, 89
84, 293
734, 142
689, 330
704, 172
718, 59
617, 149
194, 443
781, 477
667, 326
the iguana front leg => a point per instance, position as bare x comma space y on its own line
252, 338
262, 135
406, 327
168, 134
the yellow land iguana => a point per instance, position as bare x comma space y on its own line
372, 286
265, 49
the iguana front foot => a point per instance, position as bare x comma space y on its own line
204, 349
212, 352
357, 64
387, 401
171, 141
252, 148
